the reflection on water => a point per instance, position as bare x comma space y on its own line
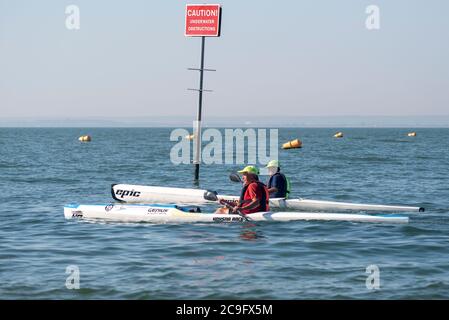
250, 233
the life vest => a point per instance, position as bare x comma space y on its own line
262, 188
287, 182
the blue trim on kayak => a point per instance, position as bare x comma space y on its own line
148, 205
388, 215
72, 205
76, 205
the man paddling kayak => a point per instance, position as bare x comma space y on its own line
278, 184
254, 195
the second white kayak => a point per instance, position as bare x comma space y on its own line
177, 214
153, 194
321, 205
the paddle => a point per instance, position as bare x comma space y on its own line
212, 196
235, 177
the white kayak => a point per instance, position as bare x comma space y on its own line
152, 194
176, 214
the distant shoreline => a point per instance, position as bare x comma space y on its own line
233, 122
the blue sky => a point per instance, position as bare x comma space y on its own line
282, 58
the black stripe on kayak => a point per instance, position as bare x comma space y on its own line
113, 193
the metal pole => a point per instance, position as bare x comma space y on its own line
200, 105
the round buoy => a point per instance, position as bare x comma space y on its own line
85, 138
292, 144
338, 135
412, 134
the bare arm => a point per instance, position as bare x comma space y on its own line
273, 190
253, 204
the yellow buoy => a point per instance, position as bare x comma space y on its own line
412, 134
190, 136
85, 138
338, 135
292, 144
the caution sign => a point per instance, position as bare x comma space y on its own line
203, 20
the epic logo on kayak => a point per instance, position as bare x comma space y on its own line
124, 193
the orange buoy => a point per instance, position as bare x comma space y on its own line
412, 134
292, 144
85, 138
338, 135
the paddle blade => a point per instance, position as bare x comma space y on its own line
210, 195
234, 177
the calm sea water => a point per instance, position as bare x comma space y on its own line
43, 169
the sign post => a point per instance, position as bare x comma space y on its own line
202, 20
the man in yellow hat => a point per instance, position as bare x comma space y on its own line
278, 184
254, 196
